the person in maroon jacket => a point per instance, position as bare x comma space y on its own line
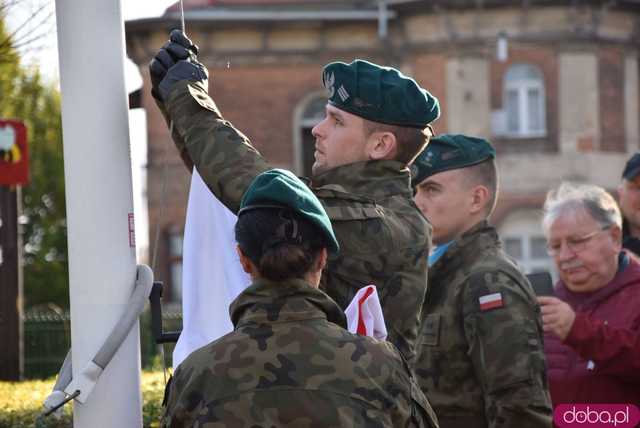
592, 325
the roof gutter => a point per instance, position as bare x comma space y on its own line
254, 15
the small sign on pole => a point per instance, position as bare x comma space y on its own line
14, 155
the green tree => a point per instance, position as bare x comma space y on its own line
24, 96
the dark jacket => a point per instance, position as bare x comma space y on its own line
482, 366
629, 242
599, 361
290, 363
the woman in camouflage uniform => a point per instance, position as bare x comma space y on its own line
290, 362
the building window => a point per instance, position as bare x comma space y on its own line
175, 265
523, 240
523, 114
529, 251
309, 113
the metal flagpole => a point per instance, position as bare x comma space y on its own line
99, 195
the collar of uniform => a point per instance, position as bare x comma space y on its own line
369, 178
268, 302
468, 246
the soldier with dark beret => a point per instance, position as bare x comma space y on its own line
480, 358
629, 199
290, 362
377, 121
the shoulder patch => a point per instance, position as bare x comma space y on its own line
490, 301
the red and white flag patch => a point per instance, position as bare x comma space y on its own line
491, 301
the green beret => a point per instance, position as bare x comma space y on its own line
379, 94
448, 151
279, 188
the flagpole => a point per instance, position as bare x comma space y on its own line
101, 245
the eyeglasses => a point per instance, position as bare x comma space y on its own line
576, 245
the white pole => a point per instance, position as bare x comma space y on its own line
102, 263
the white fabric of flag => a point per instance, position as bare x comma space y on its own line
211, 273
364, 314
212, 277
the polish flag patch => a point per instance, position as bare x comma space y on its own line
491, 301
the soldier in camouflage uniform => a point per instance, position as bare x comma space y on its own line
290, 362
480, 359
377, 122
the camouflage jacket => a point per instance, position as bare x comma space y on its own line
383, 237
482, 366
290, 363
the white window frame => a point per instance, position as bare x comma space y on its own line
300, 123
522, 86
525, 226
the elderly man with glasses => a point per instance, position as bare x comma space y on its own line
592, 324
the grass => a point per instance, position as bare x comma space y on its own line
21, 403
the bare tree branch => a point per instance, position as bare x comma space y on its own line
7, 4
22, 36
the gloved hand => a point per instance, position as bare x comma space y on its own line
175, 61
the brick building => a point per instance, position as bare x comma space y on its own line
553, 84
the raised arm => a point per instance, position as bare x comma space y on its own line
223, 156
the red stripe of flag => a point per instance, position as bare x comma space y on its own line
490, 301
362, 329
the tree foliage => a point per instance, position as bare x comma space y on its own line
24, 96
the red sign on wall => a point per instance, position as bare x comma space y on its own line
14, 156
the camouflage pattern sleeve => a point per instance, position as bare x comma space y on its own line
173, 416
504, 334
175, 137
422, 413
223, 156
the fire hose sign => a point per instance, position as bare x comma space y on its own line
14, 156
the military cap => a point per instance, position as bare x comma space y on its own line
379, 94
632, 168
278, 189
448, 151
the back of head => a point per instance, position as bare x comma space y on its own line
473, 156
279, 242
282, 226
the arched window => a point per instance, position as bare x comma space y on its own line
524, 102
309, 113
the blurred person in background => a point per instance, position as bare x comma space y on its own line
629, 194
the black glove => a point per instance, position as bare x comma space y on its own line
175, 61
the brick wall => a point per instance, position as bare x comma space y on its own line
430, 72
269, 75
611, 86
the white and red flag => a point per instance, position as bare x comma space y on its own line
491, 301
364, 314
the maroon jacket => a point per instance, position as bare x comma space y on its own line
599, 361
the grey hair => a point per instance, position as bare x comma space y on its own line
594, 200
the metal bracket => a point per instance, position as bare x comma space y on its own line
155, 299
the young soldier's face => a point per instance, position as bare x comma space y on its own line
444, 199
340, 140
629, 192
